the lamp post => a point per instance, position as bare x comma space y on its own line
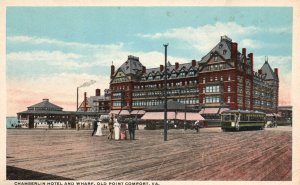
165, 120
185, 112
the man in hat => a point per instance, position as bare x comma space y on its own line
95, 126
111, 126
131, 128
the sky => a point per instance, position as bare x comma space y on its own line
50, 51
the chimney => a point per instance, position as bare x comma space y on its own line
144, 69
98, 92
193, 63
234, 48
244, 51
276, 71
260, 71
85, 102
251, 60
161, 67
176, 65
112, 70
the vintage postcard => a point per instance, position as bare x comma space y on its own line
141, 94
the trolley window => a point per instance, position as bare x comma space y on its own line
228, 117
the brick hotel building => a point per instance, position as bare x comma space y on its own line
222, 78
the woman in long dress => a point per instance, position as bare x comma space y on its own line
116, 129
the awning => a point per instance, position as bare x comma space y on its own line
114, 112
222, 110
137, 112
134, 112
211, 111
124, 113
191, 116
158, 115
273, 114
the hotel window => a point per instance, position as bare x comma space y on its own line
150, 78
191, 73
182, 74
228, 88
143, 79
204, 80
229, 78
212, 89
211, 79
221, 66
212, 99
173, 75
228, 99
221, 78
216, 78
203, 90
215, 59
178, 83
157, 77
117, 104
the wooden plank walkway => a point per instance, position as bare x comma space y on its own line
208, 155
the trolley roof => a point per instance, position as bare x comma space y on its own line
243, 111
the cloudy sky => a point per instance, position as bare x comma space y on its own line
50, 51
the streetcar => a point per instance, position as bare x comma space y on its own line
242, 119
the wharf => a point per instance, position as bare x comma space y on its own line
208, 155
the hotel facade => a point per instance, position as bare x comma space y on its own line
223, 78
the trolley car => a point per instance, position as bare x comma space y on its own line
238, 120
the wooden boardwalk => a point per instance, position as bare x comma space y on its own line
208, 155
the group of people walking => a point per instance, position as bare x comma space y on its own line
117, 130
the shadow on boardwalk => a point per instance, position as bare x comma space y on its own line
208, 155
14, 173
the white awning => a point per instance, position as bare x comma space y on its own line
211, 111
273, 114
114, 112
124, 113
141, 112
158, 115
222, 110
191, 116
137, 112
277, 115
134, 112
120, 112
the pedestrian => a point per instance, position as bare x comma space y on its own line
95, 126
111, 126
117, 129
131, 128
136, 124
197, 126
123, 131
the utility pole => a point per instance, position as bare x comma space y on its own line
77, 100
166, 74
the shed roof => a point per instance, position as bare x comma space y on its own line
45, 104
